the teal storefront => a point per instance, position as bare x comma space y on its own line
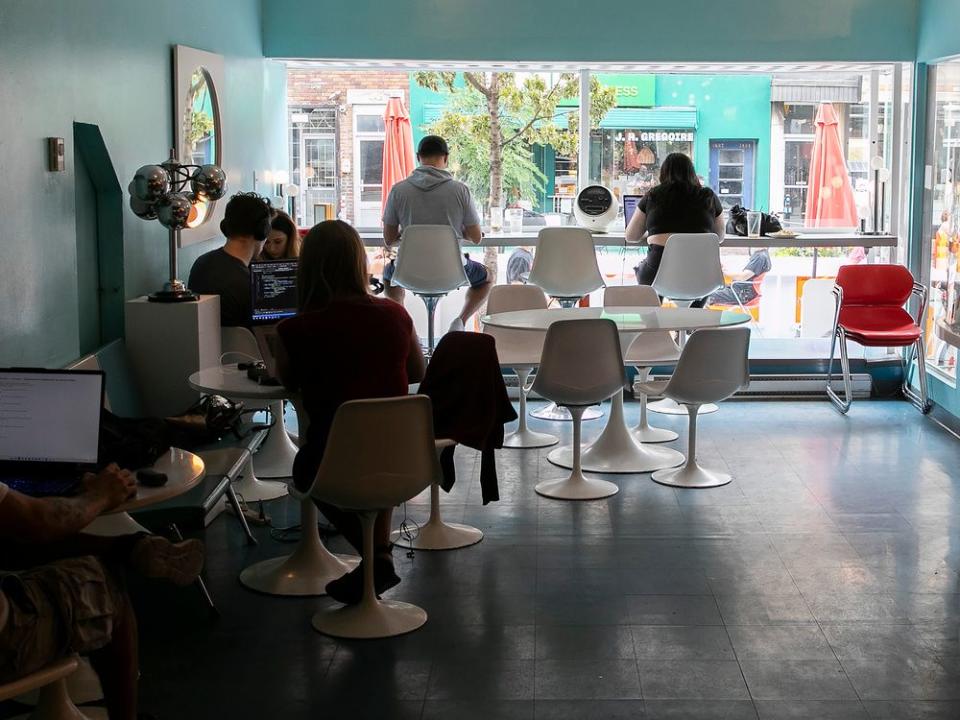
721, 121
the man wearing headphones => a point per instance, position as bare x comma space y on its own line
226, 270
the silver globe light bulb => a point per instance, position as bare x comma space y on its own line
143, 210
209, 182
150, 183
173, 211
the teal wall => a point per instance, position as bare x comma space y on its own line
729, 107
937, 30
695, 30
108, 62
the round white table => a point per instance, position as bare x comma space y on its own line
616, 450
277, 451
183, 470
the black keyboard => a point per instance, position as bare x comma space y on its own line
43, 485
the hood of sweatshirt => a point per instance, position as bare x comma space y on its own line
427, 177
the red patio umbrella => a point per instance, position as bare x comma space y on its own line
398, 160
830, 201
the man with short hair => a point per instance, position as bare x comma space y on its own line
226, 270
431, 196
63, 592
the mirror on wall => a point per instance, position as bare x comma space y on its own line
198, 129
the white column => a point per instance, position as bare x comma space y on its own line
583, 150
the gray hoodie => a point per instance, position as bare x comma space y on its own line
431, 196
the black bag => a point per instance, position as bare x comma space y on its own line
737, 224
205, 422
132, 443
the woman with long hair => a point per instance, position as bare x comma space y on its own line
679, 204
344, 344
283, 242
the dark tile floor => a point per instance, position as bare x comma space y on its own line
822, 583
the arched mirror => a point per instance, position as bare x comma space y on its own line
198, 129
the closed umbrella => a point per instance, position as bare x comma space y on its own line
830, 201
398, 160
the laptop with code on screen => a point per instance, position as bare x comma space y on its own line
49, 428
273, 290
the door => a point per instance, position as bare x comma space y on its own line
368, 139
732, 171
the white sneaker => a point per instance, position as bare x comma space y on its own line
456, 325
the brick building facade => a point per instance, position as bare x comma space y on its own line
324, 108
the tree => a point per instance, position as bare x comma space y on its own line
495, 117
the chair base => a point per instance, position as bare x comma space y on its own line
576, 487
251, 489
691, 475
304, 573
440, 536
293, 576
370, 620
561, 414
671, 407
526, 438
650, 434
275, 457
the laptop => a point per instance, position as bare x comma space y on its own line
630, 203
49, 429
273, 295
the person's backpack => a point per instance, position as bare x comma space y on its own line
737, 222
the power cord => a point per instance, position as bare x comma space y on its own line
409, 531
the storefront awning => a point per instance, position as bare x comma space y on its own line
794, 89
662, 118
643, 119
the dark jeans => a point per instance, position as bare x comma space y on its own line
646, 271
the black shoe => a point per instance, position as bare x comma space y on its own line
348, 589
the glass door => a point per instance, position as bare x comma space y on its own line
732, 171
368, 139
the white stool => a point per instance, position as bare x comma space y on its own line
712, 367
689, 270
380, 454
581, 365
519, 350
430, 265
565, 268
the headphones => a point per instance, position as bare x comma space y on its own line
259, 228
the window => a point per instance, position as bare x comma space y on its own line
368, 160
943, 225
313, 163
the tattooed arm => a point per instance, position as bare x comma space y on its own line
43, 520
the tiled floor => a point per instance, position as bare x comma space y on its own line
821, 583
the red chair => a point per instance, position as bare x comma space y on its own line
869, 302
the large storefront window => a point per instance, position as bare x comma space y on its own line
943, 231
627, 160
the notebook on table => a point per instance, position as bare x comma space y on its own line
49, 428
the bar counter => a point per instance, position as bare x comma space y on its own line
616, 239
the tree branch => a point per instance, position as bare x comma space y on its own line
480, 87
536, 116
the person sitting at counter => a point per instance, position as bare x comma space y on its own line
431, 196
226, 271
679, 204
741, 284
344, 344
283, 242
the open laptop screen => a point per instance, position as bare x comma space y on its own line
50, 416
630, 203
273, 290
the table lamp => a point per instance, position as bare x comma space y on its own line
178, 196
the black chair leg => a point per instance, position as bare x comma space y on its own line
200, 583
